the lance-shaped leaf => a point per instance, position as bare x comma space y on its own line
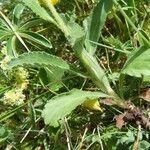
38, 59
37, 38
32, 22
11, 46
95, 23
63, 104
17, 12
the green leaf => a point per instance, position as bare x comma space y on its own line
4, 24
146, 79
144, 145
18, 10
61, 105
52, 77
31, 23
96, 22
37, 38
76, 33
4, 133
138, 63
37, 9
96, 72
38, 59
4, 35
11, 46
5, 31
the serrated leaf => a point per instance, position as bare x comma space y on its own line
37, 9
38, 59
138, 63
61, 105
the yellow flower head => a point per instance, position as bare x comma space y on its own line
92, 104
4, 62
13, 97
21, 77
54, 2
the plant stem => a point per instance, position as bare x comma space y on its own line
97, 73
98, 76
57, 17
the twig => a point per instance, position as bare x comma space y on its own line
67, 134
100, 141
136, 143
83, 137
26, 134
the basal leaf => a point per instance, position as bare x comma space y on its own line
38, 59
61, 105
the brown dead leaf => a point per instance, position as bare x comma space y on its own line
120, 121
108, 102
146, 95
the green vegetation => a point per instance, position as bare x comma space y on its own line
75, 75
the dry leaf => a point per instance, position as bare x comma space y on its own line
120, 121
146, 95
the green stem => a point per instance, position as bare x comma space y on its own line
97, 73
98, 76
57, 17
